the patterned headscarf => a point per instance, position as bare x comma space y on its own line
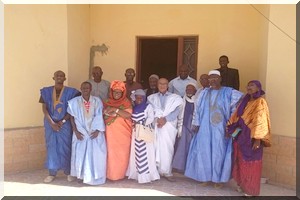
247, 97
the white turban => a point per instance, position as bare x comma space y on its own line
214, 72
154, 76
193, 84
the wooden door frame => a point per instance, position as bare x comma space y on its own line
179, 51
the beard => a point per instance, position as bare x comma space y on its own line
189, 95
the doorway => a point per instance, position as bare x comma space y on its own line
163, 56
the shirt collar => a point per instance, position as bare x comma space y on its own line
166, 94
84, 101
187, 78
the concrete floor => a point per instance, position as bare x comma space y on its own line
31, 184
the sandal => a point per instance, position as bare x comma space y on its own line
239, 189
248, 195
204, 184
49, 179
218, 185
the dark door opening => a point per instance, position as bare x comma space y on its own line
158, 56
163, 56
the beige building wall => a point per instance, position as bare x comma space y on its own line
40, 39
279, 161
233, 30
78, 43
263, 43
60, 38
35, 45
281, 70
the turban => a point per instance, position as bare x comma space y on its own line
214, 72
154, 76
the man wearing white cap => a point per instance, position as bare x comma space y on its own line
209, 157
153, 79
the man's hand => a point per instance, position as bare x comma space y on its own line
227, 135
94, 134
195, 128
60, 124
55, 126
161, 122
78, 135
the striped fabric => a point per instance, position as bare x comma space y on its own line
140, 148
141, 157
138, 118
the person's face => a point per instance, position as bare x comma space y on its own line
153, 83
190, 90
139, 99
204, 80
129, 74
252, 88
86, 89
117, 94
183, 72
97, 73
59, 77
162, 85
214, 81
223, 61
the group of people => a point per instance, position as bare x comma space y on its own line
210, 133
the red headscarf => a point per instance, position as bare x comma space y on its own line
122, 103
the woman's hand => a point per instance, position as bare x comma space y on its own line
256, 144
110, 111
133, 124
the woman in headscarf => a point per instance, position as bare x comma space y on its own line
117, 116
142, 165
250, 128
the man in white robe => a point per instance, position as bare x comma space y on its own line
88, 159
166, 110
